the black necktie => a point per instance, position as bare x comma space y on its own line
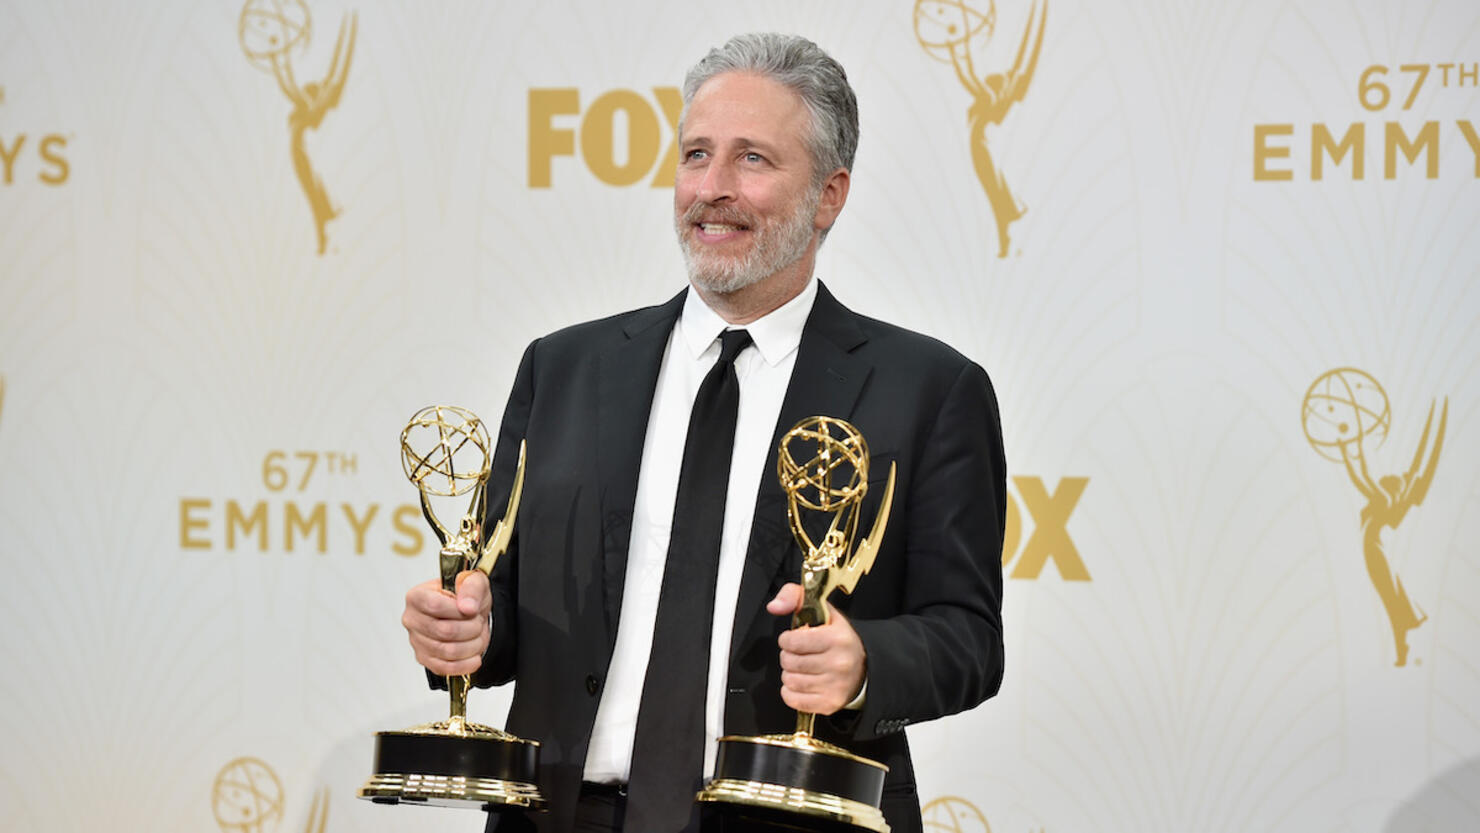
668, 749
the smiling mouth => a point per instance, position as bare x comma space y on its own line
720, 228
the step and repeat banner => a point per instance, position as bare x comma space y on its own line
1221, 260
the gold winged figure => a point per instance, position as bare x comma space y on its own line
1388, 500
269, 33
952, 30
310, 103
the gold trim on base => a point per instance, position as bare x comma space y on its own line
806, 743
794, 800
451, 791
458, 727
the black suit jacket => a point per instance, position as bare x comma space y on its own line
929, 613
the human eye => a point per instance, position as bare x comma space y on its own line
695, 155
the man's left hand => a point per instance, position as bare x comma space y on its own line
823, 667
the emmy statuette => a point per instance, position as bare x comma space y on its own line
797, 779
456, 763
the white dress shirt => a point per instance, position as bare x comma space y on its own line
764, 370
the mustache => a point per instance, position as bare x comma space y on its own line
703, 212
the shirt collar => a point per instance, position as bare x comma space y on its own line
775, 334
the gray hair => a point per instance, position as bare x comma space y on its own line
802, 67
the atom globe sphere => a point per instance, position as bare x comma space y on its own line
954, 815
270, 29
247, 797
1344, 409
944, 26
445, 450
823, 464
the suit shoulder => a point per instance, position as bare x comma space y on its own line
913, 349
616, 323
591, 337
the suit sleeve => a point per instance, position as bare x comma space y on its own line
500, 658
943, 652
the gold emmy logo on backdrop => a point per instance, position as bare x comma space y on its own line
1345, 415
951, 814
247, 797
957, 32
454, 762
797, 773
269, 32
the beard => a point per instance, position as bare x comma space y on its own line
777, 244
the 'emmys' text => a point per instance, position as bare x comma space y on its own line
228, 525
22, 155
1378, 88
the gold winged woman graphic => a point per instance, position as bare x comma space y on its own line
1344, 410
269, 30
954, 31
1388, 500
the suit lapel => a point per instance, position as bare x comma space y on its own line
826, 380
628, 377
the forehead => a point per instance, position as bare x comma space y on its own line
734, 105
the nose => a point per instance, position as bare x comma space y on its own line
718, 182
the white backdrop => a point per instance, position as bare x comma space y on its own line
1194, 643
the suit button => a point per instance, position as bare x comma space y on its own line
592, 684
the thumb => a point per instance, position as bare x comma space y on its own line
472, 590
786, 601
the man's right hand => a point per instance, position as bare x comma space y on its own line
449, 633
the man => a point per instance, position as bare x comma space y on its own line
576, 610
